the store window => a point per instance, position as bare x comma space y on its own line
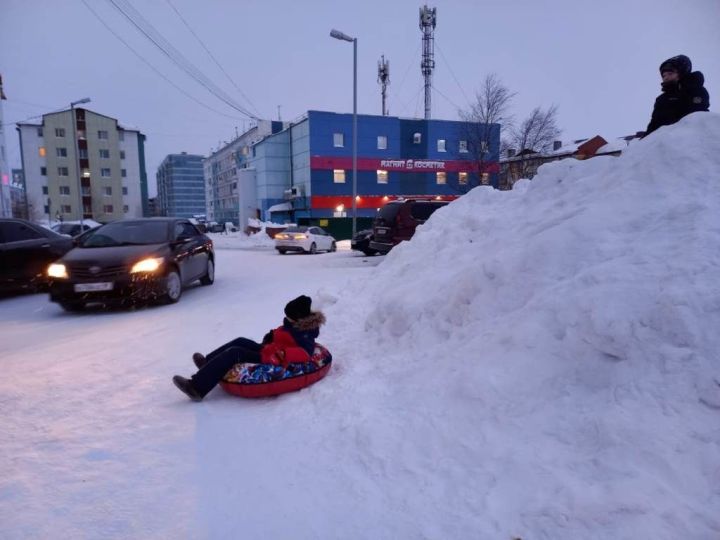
339, 176
441, 177
382, 177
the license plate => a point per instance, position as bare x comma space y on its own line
93, 287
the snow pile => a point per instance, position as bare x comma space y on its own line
240, 240
543, 363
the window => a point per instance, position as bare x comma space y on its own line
417, 138
122, 154
43, 172
61, 152
382, 177
104, 153
102, 134
121, 135
41, 151
108, 208
64, 190
123, 172
441, 177
46, 209
105, 172
463, 147
339, 176
45, 190
107, 191
82, 153
126, 209
14, 231
65, 209
124, 191
382, 142
63, 171
484, 146
186, 229
40, 134
485, 179
59, 132
463, 178
441, 145
338, 141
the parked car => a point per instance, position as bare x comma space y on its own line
132, 261
361, 242
73, 228
307, 239
26, 250
397, 221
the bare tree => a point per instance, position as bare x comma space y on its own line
491, 106
533, 136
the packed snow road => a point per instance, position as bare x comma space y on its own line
97, 442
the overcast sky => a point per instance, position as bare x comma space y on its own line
597, 61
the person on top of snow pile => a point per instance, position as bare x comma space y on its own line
293, 342
682, 93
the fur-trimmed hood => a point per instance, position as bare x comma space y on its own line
311, 322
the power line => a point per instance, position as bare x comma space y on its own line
452, 73
178, 88
447, 99
212, 56
145, 28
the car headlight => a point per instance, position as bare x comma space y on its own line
56, 270
147, 265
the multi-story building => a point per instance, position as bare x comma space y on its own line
181, 186
5, 200
229, 183
304, 173
81, 163
18, 201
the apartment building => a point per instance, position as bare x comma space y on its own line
181, 186
79, 163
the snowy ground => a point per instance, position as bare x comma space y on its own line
540, 363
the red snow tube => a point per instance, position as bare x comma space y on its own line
274, 388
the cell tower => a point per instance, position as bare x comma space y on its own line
384, 80
427, 25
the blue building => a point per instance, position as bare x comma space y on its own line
180, 186
304, 173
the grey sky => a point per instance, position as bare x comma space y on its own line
598, 61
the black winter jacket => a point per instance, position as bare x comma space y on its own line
678, 100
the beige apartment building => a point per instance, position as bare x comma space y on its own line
78, 160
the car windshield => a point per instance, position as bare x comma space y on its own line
296, 229
128, 233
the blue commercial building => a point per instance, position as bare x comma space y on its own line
180, 186
304, 173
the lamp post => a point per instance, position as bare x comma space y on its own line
344, 37
77, 155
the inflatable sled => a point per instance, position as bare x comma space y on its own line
264, 380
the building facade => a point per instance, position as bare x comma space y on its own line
5, 189
181, 186
304, 173
78, 163
229, 182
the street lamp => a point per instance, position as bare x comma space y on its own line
344, 37
77, 154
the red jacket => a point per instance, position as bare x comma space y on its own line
283, 350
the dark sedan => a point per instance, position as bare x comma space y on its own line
26, 250
361, 242
133, 261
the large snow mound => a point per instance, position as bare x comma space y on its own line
544, 362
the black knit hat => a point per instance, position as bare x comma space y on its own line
299, 308
680, 63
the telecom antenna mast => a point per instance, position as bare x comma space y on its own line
427, 25
384, 80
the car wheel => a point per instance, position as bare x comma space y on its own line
282, 251
333, 247
313, 248
173, 287
209, 277
72, 307
369, 252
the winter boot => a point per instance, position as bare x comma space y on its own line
187, 388
199, 360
